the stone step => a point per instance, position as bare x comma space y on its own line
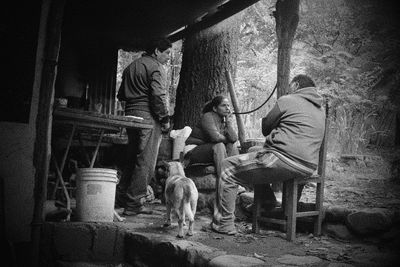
205, 182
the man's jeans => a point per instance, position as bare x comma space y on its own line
247, 169
143, 145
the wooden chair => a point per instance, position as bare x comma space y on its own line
290, 197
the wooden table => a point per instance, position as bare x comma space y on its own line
89, 122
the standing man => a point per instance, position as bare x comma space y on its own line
294, 131
144, 90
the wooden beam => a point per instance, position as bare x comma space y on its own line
224, 11
50, 27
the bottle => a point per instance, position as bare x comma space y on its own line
85, 97
120, 108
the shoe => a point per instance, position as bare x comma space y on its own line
139, 210
218, 230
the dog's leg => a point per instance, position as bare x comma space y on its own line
184, 219
191, 214
168, 216
181, 215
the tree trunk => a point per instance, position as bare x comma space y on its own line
206, 56
287, 19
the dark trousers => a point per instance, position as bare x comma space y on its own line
213, 153
143, 145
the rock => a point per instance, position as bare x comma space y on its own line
339, 264
298, 260
209, 170
205, 200
234, 261
206, 182
246, 200
336, 214
369, 221
338, 230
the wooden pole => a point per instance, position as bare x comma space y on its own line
242, 135
50, 29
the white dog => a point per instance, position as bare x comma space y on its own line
180, 196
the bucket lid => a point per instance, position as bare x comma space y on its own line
97, 170
97, 174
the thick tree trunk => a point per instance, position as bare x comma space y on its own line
287, 19
206, 56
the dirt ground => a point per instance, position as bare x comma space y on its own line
364, 184
352, 185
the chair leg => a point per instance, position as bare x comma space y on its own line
319, 207
291, 210
256, 211
285, 204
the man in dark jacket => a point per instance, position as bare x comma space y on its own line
294, 131
144, 90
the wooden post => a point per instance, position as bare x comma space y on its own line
50, 28
242, 135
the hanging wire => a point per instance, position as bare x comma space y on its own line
253, 110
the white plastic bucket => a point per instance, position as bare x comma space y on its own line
95, 194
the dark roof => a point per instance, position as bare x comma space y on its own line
128, 23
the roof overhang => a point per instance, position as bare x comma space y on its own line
129, 23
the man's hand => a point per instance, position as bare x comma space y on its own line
165, 127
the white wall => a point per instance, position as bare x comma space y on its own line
16, 169
16, 159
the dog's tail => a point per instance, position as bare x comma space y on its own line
188, 211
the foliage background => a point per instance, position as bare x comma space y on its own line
351, 50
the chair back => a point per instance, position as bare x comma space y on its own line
324, 145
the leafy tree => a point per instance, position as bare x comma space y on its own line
349, 47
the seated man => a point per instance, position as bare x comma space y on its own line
214, 135
294, 131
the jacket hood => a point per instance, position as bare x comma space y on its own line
310, 94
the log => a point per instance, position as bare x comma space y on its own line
242, 135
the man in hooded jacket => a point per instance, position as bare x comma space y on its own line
294, 131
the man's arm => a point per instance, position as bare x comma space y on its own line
271, 121
159, 95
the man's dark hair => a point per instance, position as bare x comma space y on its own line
215, 102
161, 44
303, 81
